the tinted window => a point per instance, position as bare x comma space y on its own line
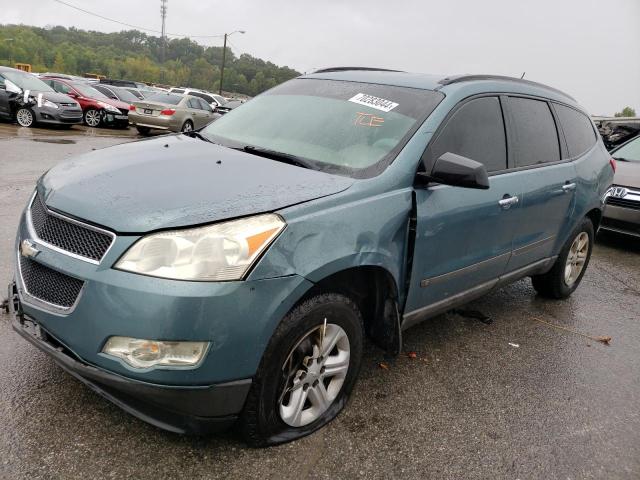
535, 138
177, 90
475, 131
2, 81
577, 130
204, 96
87, 91
61, 87
106, 91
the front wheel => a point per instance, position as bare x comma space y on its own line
25, 117
92, 117
307, 372
570, 266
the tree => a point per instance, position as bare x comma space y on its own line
626, 112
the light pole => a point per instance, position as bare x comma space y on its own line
224, 56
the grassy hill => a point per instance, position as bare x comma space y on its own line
134, 55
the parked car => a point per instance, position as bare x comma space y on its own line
227, 107
29, 101
170, 111
122, 83
236, 271
211, 98
622, 211
99, 110
117, 93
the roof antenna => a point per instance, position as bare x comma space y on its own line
522, 75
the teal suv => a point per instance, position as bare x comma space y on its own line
229, 276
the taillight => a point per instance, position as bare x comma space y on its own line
612, 162
168, 111
132, 108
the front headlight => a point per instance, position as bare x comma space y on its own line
50, 104
140, 353
109, 108
224, 251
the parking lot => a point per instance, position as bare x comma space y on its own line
524, 394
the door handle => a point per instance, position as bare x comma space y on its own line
507, 201
568, 187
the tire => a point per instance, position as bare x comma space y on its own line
143, 130
92, 118
262, 422
25, 117
558, 282
187, 126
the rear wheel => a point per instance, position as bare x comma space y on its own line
571, 265
307, 372
25, 117
143, 130
187, 126
92, 117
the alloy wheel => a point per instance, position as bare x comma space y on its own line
24, 117
92, 118
187, 127
576, 258
313, 374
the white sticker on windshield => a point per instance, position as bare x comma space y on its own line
374, 102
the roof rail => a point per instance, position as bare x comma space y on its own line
346, 69
469, 78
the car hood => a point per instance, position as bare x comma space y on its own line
627, 174
177, 181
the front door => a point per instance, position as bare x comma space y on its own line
464, 236
5, 109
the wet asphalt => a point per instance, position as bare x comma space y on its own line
515, 398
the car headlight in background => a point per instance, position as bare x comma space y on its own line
223, 251
50, 104
140, 353
109, 108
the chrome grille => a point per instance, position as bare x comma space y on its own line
623, 202
68, 235
48, 285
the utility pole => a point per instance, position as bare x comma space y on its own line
163, 39
224, 57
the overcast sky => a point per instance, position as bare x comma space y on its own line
589, 48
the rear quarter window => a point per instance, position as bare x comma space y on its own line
535, 138
577, 129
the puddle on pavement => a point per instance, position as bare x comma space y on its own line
61, 141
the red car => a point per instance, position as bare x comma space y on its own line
98, 109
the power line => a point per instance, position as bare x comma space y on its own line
134, 26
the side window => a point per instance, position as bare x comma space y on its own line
577, 130
475, 131
2, 84
205, 106
177, 90
534, 131
61, 87
194, 103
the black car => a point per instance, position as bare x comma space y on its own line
28, 100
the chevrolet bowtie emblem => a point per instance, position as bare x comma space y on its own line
28, 249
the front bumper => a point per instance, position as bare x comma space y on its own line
621, 220
58, 116
195, 409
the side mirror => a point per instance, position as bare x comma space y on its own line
459, 171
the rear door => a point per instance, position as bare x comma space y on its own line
196, 112
463, 236
539, 157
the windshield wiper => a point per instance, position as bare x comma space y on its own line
621, 159
278, 156
196, 134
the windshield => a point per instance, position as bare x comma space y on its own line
348, 128
26, 81
90, 92
629, 151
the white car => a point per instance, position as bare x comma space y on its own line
211, 98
